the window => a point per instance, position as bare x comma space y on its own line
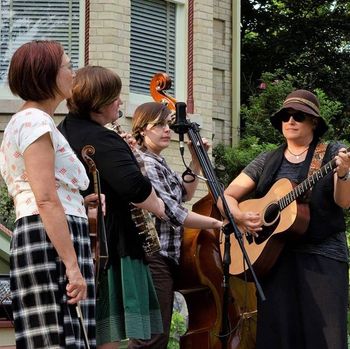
153, 33
23, 21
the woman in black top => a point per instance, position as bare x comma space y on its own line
127, 306
307, 288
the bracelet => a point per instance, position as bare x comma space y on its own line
346, 177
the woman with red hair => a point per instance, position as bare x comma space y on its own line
51, 268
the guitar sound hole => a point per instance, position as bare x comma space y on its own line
271, 214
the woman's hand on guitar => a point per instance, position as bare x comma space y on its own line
92, 199
343, 163
250, 222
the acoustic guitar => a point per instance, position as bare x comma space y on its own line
283, 216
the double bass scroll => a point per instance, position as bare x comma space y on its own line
97, 230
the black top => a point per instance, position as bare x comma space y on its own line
121, 181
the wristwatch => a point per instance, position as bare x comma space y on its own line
346, 177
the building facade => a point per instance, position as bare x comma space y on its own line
194, 41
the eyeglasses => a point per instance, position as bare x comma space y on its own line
298, 117
161, 124
68, 65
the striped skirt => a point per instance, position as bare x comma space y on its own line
42, 317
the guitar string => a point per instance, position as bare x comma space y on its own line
306, 184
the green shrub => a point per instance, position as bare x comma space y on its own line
177, 329
229, 162
262, 104
7, 211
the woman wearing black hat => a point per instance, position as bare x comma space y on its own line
306, 289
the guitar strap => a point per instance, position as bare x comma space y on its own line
311, 164
313, 160
317, 158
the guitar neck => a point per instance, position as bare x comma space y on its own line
307, 184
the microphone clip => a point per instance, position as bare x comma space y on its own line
181, 125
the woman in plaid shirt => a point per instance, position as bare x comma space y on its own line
151, 130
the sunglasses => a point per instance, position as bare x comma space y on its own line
298, 117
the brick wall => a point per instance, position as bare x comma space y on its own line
222, 111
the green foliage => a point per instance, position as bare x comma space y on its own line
177, 329
307, 39
255, 115
7, 211
229, 162
330, 109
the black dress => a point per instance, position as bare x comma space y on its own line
306, 290
127, 306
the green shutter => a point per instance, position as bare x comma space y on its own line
152, 42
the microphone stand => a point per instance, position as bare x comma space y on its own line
182, 125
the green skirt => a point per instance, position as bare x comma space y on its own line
127, 304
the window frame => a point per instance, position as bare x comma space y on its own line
136, 98
9, 102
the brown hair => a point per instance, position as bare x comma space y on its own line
151, 112
33, 70
94, 87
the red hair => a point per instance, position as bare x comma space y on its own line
34, 68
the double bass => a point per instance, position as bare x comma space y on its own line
201, 269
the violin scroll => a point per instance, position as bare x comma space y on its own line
86, 154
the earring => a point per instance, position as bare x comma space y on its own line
142, 134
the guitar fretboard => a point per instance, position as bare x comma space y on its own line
307, 184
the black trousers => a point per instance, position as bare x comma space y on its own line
163, 274
306, 305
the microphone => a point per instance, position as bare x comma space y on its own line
181, 125
120, 113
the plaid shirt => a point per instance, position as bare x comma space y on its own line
169, 187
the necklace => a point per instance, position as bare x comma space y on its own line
297, 156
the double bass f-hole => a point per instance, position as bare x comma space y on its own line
97, 230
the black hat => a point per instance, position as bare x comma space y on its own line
304, 101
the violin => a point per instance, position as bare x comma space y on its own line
201, 267
97, 229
